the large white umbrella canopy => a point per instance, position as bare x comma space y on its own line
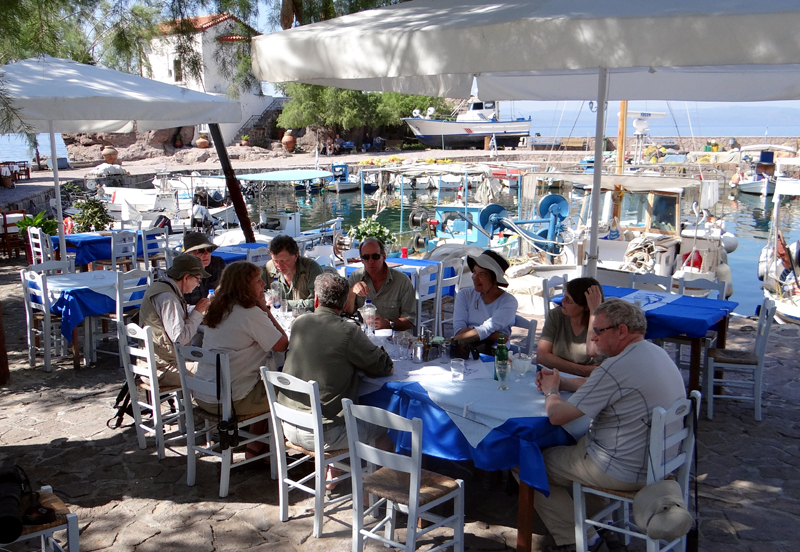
59, 95
732, 50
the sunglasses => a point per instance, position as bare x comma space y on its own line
374, 257
598, 331
203, 251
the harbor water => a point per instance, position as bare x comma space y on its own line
748, 217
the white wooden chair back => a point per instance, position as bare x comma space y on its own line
765, 318
41, 246
639, 281
52, 267
123, 249
427, 288
191, 385
155, 249
362, 451
311, 421
450, 272
686, 287
138, 359
550, 286
529, 341
36, 296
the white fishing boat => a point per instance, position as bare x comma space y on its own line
480, 121
761, 176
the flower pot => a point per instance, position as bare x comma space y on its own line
288, 142
245, 142
7, 181
178, 143
202, 143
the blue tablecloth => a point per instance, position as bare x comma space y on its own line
91, 246
692, 316
238, 252
517, 442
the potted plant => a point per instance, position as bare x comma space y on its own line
49, 226
371, 228
93, 216
202, 142
5, 177
245, 140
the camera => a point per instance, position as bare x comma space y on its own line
12, 482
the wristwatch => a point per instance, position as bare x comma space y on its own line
391, 324
550, 393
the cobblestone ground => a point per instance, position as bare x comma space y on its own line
54, 425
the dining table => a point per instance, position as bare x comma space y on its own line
78, 296
475, 420
671, 315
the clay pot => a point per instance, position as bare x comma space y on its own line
7, 181
245, 142
288, 141
202, 143
110, 155
178, 143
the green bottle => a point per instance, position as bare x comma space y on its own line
501, 356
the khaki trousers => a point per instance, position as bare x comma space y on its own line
565, 465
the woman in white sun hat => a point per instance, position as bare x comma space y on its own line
484, 311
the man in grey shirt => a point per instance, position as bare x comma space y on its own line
619, 396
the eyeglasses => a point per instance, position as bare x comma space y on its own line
203, 251
598, 331
374, 257
199, 278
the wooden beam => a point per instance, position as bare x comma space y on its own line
233, 184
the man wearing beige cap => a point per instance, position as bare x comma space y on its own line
165, 310
198, 245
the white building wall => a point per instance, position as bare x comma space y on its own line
161, 56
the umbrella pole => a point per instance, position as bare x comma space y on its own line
590, 269
233, 184
62, 243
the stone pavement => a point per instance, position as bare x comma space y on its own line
53, 424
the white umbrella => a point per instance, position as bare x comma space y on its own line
732, 50
59, 95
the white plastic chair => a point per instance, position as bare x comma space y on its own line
457, 266
138, 359
65, 521
530, 337
710, 339
639, 281
44, 327
549, 288
192, 385
400, 484
671, 449
129, 289
156, 254
259, 256
312, 421
743, 363
427, 288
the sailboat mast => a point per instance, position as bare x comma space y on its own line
621, 135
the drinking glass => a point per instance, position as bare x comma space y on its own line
444, 357
521, 364
502, 375
457, 369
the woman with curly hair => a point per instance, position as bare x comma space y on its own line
240, 323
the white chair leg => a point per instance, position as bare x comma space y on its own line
757, 390
72, 533
580, 515
191, 456
158, 424
458, 511
225, 474
319, 494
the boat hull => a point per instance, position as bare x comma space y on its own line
433, 132
757, 187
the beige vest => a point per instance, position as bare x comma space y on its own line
148, 316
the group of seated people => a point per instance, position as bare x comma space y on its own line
333, 145
621, 376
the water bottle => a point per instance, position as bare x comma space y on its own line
501, 356
275, 286
368, 312
211, 294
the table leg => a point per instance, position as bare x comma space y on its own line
4, 370
76, 350
694, 363
722, 333
525, 518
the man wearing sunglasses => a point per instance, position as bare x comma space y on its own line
389, 290
618, 397
198, 245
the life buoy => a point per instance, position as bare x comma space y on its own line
724, 274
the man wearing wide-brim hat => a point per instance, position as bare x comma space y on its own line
198, 245
165, 310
